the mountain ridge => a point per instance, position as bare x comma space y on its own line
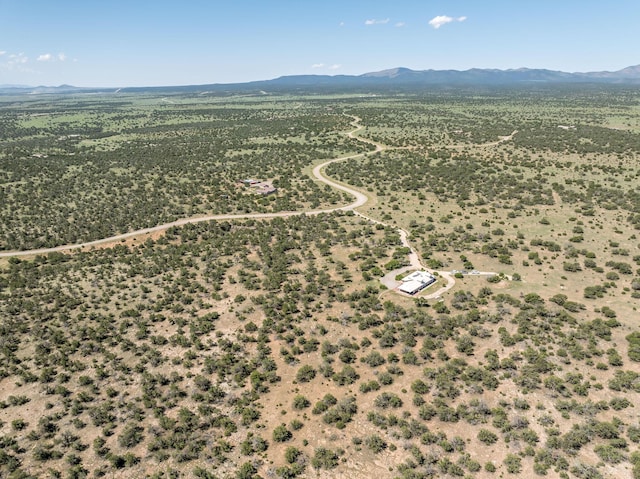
400, 76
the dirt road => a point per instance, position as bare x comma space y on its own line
360, 199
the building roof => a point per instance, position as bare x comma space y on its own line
411, 287
416, 281
421, 276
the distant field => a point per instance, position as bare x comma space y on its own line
85, 168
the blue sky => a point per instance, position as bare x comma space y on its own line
116, 43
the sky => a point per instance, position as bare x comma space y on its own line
116, 43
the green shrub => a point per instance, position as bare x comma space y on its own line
305, 374
634, 346
281, 434
131, 435
487, 437
375, 443
387, 400
300, 402
513, 463
324, 458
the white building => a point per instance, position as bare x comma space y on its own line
416, 281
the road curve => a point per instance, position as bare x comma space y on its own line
389, 279
360, 199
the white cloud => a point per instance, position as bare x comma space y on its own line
17, 59
2, 52
437, 22
376, 22
15, 62
400, 24
324, 66
48, 57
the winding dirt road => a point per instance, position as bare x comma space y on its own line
360, 199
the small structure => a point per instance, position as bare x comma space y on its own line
261, 187
416, 282
266, 189
250, 182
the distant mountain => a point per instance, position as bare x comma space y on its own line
631, 73
493, 76
405, 77
9, 85
35, 90
472, 76
395, 77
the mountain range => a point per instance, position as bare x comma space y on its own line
399, 77
474, 76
